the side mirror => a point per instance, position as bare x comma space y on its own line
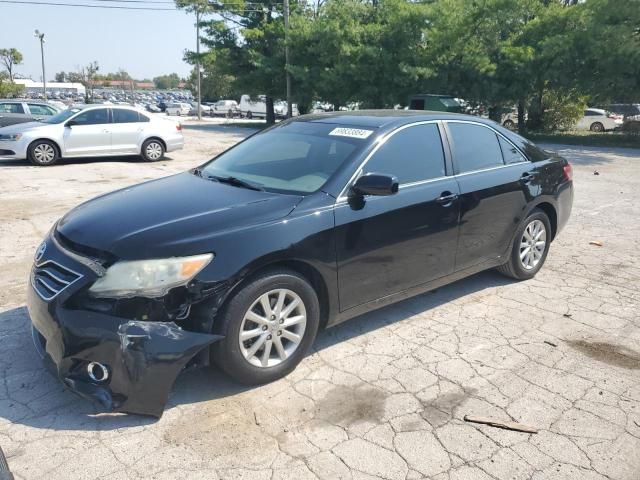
70, 123
376, 184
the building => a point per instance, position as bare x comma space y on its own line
36, 87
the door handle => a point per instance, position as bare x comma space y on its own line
446, 198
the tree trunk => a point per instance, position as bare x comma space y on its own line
271, 115
522, 126
536, 110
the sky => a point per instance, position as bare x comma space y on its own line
144, 43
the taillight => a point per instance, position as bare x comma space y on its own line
179, 126
567, 170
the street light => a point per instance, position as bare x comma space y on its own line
40, 36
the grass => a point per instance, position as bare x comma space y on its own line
586, 138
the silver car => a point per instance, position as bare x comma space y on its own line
91, 131
20, 111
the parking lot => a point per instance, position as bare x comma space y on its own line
382, 396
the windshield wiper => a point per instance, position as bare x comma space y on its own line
236, 182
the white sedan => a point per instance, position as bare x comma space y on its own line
91, 131
599, 120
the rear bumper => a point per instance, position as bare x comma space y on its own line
175, 143
142, 358
564, 202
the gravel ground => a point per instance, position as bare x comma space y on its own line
382, 396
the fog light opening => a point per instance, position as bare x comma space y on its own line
97, 372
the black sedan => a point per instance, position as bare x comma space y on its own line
299, 227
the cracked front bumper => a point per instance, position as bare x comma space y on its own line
142, 358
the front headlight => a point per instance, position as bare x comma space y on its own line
148, 278
11, 137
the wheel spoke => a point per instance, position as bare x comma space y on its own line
291, 336
256, 346
267, 353
266, 305
278, 308
289, 322
249, 334
524, 253
255, 318
279, 348
290, 308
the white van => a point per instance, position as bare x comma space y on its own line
253, 108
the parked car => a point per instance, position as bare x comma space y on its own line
228, 108
280, 109
178, 109
437, 103
629, 111
204, 109
21, 111
599, 120
253, 108
302, 226
91, 131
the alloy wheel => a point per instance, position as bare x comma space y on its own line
44, 153
154, 151
273, 327
532, 244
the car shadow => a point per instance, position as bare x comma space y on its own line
221, 128
33, 397
82, 160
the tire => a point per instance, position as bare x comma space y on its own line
518, 268
43, 153
177, 113
235, 357
510, 124
596, 127
249, 115
152, 150
230, 114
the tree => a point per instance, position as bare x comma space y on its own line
9, 89
86, 75
10, 57
61, 77
165, 82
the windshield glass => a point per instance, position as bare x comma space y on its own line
62, 116
298, 157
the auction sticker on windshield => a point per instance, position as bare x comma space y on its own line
350, 132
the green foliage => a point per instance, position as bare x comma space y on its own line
8, 89
562, 109
10, 57
165, 82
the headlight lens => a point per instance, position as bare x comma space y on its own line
12, 137
148, 278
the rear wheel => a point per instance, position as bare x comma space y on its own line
270, 324
152, 150
43, 153
596, 127
530, 247
510, 124
249, 115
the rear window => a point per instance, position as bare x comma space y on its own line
533, 152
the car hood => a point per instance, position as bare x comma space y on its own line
174, 216
23, 127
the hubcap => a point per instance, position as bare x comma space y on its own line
154, 151
532, 244
272, 328
44, 153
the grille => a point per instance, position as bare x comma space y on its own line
50, 278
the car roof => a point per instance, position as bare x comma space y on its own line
386, 118
597, 110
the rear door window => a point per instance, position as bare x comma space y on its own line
475, 147
121, 115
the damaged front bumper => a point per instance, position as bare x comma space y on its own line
126, 365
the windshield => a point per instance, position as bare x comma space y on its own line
298, 157
62, 116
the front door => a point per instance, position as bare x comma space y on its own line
89, 133
388, 244
494, 191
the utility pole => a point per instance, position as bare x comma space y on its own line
198, 60
40, 36
286, 58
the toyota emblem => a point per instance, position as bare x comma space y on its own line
40, 251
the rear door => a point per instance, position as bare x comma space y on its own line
89, 135
126, 131
389, 244
12, 113
494, 190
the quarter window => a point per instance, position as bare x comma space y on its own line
92, 117
510, 153
121, 115
475, 147
11, 108
412, 155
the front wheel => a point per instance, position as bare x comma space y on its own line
596, 127
530, 247
43, 153
270, 325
